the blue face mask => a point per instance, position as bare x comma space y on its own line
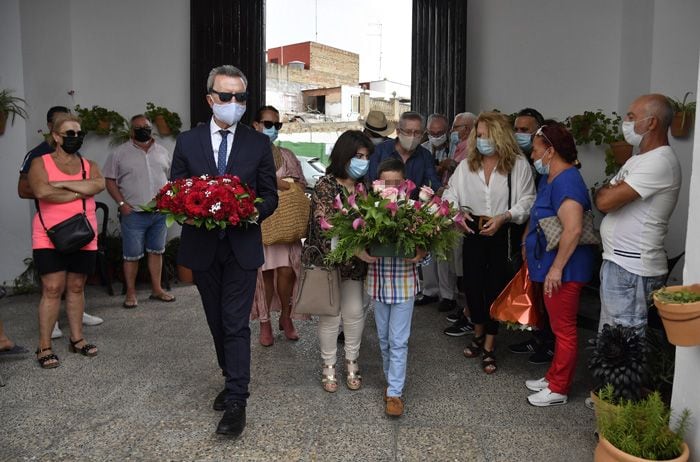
271, 132
357, 168
485, 146
524, 141
540, 167
454, 138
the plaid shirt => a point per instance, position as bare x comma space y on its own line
392, 280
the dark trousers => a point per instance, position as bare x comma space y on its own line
486, 273
227, 292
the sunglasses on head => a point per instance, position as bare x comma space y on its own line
269, 124
225, 97
73, 134
540, 132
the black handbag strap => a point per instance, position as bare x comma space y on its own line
36, 201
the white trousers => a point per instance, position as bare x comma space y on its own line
352, 313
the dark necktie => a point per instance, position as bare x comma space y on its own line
221, 159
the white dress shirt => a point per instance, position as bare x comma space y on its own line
216, 140
469, 189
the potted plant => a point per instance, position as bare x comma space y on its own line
618, 359
10, 106
100, 120
587, 127
167, 122
682, 117
639, 430
679, 309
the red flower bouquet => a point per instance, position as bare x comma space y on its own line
212, 202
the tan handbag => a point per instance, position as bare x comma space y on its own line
319, 288
552, 228
290, 221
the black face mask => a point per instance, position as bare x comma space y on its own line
142, 134
71, 144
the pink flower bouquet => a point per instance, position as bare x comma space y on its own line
386, 216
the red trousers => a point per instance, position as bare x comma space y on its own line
562, 307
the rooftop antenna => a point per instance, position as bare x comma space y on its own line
379, 25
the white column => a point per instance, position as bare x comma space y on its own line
686, 382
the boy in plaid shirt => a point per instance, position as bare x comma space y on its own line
393, 283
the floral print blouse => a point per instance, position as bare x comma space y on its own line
322, 206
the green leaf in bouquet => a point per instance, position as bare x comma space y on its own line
169, 220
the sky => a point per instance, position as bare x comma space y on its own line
350, 25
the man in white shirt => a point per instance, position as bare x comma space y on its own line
638, 202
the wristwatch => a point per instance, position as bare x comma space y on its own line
121, 203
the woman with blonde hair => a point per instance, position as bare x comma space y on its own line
64, 184
495, 188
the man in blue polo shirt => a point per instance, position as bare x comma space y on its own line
25, 192
419, 162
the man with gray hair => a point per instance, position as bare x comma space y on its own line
225, 262
462, 126
420, 165
638, 202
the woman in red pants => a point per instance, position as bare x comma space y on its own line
564, 270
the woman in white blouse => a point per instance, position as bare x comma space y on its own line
480, 187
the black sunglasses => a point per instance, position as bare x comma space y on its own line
269, 124
226, 97
73, 134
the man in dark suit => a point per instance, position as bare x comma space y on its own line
225, 263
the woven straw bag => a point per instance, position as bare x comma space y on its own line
290, 221
551, 227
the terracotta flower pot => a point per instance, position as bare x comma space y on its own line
103, 125
622, 151
681, 320
3, 122
184, 275
680, 127
606, 452
162, 125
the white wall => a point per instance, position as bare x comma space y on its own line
118, 55
566, 56
15, 240
687, 373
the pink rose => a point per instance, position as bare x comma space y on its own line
377, 186
426, 193
390, 193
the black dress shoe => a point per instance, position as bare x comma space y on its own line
220, 401
426, 300
233, 421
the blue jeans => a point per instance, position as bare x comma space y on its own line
624, 296
393, 329
142, 230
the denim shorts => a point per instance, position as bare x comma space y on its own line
142, 231
625, 297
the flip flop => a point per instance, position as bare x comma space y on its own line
15, 350
130, 305
166, 298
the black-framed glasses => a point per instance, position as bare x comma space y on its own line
225, 97
540, 132
73, 134
269, 124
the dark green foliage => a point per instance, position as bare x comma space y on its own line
618, 360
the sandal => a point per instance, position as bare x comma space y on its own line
328, 380
353, 379
488, 362
49, 361
85, 350
476, 347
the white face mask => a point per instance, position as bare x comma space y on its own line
437, 140
409, 143
229, 113
631, 136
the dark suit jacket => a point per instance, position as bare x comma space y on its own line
251, 160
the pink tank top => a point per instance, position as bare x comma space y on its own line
56, 213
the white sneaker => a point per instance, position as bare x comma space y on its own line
56, 332
536, 385
89, 320
547, 397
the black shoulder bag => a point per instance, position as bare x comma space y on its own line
74, 233
515, 234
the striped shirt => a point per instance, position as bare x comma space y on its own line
392, 280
